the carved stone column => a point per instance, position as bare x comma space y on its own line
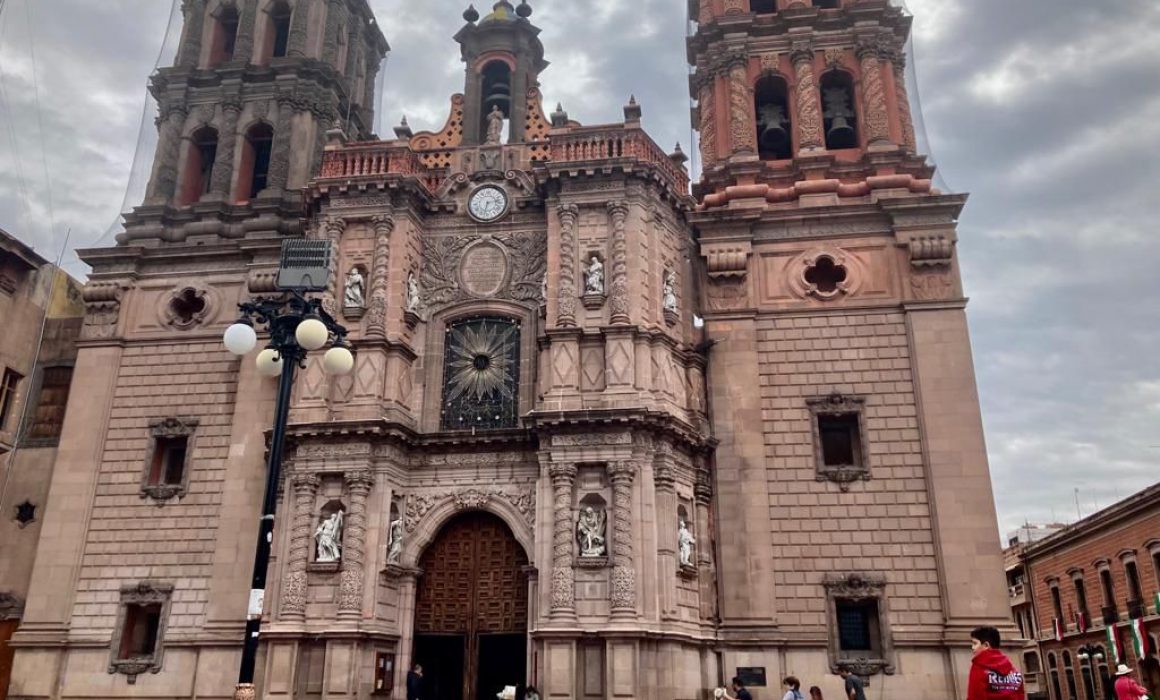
874, 114
354, 542
280, 149
223, 167
707, 113
335, 9
666, 500
563, 476
247, 22
623, 568
383, 224
189, 53
163, 185
294, 589
905, 120
618, 303
353, 50
332, 230
809, 121
566, 303
296, 42
703, 497
742, 130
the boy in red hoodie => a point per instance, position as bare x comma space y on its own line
993, 677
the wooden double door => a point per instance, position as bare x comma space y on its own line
471, 610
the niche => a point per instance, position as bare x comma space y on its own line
771, 99
841, 121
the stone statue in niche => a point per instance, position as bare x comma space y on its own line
494, 126
354, 296
685, 544
414, 299
395, 541
594, 277
670, 291
590, 532
328, 538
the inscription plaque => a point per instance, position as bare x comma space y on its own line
483, 269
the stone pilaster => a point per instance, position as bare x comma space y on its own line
193, 11
566, 303
294, 587
354, 542
280, 149
707, 126
223, 167
353, 50
563, 477
335, 9
164, 180
742, 130
874, 113
623, 568
332, 230
383, 224
299, 20
905, 120
618, 211
247, 22
666, 500
810, 125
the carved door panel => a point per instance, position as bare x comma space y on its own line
472, 585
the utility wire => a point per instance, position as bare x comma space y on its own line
40, 120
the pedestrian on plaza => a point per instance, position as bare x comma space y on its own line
793, 688
415, 683
740, 693
993, 676
816, 693
1126, 687
855, 688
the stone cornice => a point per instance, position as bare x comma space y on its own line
1131, 506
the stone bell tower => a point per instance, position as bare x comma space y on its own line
245, 109
854, 501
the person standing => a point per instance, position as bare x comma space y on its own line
1126, 687
993, 676
793, 688
740, 693
816, 693
855, 688
415, 683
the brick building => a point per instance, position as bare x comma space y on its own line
549, 472
1098, 573
41, 312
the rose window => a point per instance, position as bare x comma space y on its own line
481, 374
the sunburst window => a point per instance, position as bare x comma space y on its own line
481, 374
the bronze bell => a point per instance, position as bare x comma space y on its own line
840, 132
774, 137
501, 96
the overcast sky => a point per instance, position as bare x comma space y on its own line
1046, 111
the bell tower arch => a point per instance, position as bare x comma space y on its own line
504, 58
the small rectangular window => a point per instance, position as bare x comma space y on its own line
1109, 589
839, 439
8, 385
840, 443
857, 625
48, 419
1133, 581
384, 673
168, 461
1081, 599
166, 470
1057, 603
139, 635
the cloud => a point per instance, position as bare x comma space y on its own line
1044, 110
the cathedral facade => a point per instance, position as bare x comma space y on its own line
608, 434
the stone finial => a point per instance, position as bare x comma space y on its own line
471, 14
336, 135
678, 156
559, 117
403, 130
632, 111
524, 10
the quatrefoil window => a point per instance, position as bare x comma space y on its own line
187, 307
826, 276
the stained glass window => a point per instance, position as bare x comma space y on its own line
481, 370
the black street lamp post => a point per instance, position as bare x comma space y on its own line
297, 325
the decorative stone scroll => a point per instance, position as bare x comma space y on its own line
727, 259
102, 309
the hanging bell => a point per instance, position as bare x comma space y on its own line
841, 134
501, 96
774, 137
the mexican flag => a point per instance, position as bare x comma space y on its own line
1058, 628
1139, 641
1114, 644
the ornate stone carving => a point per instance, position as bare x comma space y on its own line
319, 450
563, 589
590, 532
742, 133
140, 594
186, 307
102, 309
618, 211
563, 475
156, 479
305, 487
931, 284
383, 224
224, 161
875, 116
825, 273
839, 405
353, 293
685, 542
350, 593
669, 297
860, 587
566, 304
442, 282
623, 592
591, 439
727, 259
727, 294
809, 117
931, 251
332, 230
905, 120
11, 606
707, 112
328, 539
419, 503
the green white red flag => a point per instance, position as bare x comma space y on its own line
1139, 641
1114, 643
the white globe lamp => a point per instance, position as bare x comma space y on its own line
311, 334
269, 363
338, 361
240, 338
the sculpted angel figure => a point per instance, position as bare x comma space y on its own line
594, 277
590, 532
355, 289
395, 542
328, 538
413, 298
685, 544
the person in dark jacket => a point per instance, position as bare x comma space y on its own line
993, 676
415, 683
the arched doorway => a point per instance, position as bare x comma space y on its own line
471, 610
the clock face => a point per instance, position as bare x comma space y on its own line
487, 203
